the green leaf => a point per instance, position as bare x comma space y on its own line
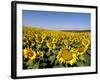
48, 53
32, 65
80, 63
38, 46
54, 51
29, 62
44, 64
81, 57
58, 66
87, 59
84, 60
51, 58
36, 66
56, 62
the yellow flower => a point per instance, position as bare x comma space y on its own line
39, 39
65, 56
51, 45
43, 36
66, 42
82, 50
40, 53
32, 38
74, 50
71, 62
54, 40
29, 53
85, 42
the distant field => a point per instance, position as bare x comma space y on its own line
76, 30
43, 48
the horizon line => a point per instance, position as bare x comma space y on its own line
54, 29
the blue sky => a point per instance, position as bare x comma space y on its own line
56, 20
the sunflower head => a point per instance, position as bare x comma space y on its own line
82, 50
65, 56
43, 35
66, 42
39, 39
29, 53
85, 42
51, 45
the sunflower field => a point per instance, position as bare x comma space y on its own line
43, 48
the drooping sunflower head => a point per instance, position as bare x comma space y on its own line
84, 47
85, 42
29, 53
65, 56
82, 50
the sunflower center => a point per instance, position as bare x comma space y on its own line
81, 49
30, 54
39, 39
51, 44
67, 55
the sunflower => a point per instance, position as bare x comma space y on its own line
54, 40
43, 35
39, 39
82, 50
40, 53
65, 42
84, 47
29, 53
86, 42
74, 50
65, 56
51, 45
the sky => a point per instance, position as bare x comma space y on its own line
56, 20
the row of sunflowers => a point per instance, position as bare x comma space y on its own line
44, 48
